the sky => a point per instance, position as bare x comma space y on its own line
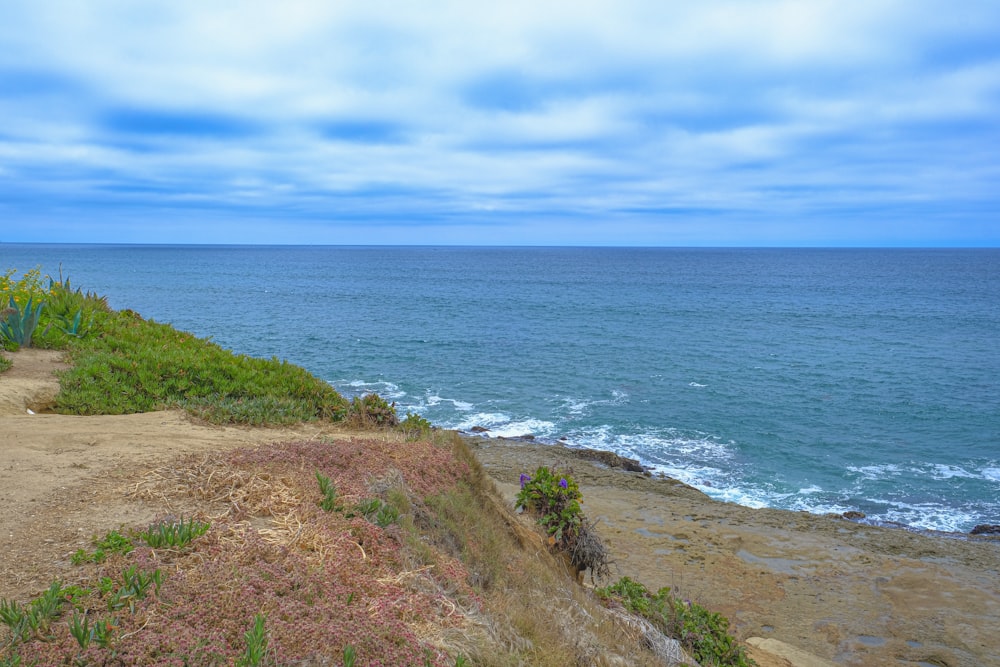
618, 122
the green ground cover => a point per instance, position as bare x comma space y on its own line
123, 364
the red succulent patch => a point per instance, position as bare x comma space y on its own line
323, 580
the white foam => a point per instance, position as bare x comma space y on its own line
695, 384
484, 419
992, 474
387, 390
536, 427
942, 471
737, 496
928, 516
575, 406
813, 507
619, 397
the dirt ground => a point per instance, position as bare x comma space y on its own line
64, 479
815, 590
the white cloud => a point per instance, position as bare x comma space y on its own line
376, 108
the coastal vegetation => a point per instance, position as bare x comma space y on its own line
703, 633
390, 545
123, 364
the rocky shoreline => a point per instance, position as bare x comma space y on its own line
612, 460
841, 590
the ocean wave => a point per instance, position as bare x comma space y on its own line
928, 516
387, 390
482, 419
433, 400
934, 471
534, 427
502, 425
576, 407
943, 471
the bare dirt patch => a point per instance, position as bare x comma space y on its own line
65, 479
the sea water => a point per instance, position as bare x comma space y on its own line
823, 380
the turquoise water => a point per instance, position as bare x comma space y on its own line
820, 380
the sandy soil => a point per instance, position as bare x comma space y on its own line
65, 479
816, 590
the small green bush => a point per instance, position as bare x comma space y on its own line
371, 410
134, 587
415, 427
375, 511
173, 534
702, 633
555, 499
256, 643
17, 325
329, 502
34, 620
112, 543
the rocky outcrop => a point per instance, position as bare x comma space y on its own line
986, 529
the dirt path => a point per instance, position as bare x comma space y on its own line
64, 479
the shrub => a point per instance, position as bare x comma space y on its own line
371, 410
375, 511
44, 316
415, 426
702, 633
17, 326
70, 313
555, 499
256, 641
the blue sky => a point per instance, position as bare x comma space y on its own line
554, 123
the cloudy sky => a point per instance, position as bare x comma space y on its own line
618, 122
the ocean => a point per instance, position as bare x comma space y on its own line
822, 380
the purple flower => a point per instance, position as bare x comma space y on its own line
563, 483
524, 479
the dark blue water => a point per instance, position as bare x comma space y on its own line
822, 380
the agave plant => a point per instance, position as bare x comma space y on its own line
18, 326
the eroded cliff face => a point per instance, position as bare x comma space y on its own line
31, 384
844, 592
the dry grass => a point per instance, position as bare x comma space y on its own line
458, 575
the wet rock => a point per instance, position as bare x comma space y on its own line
853, 515
479, 429
610, 459
986, 529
